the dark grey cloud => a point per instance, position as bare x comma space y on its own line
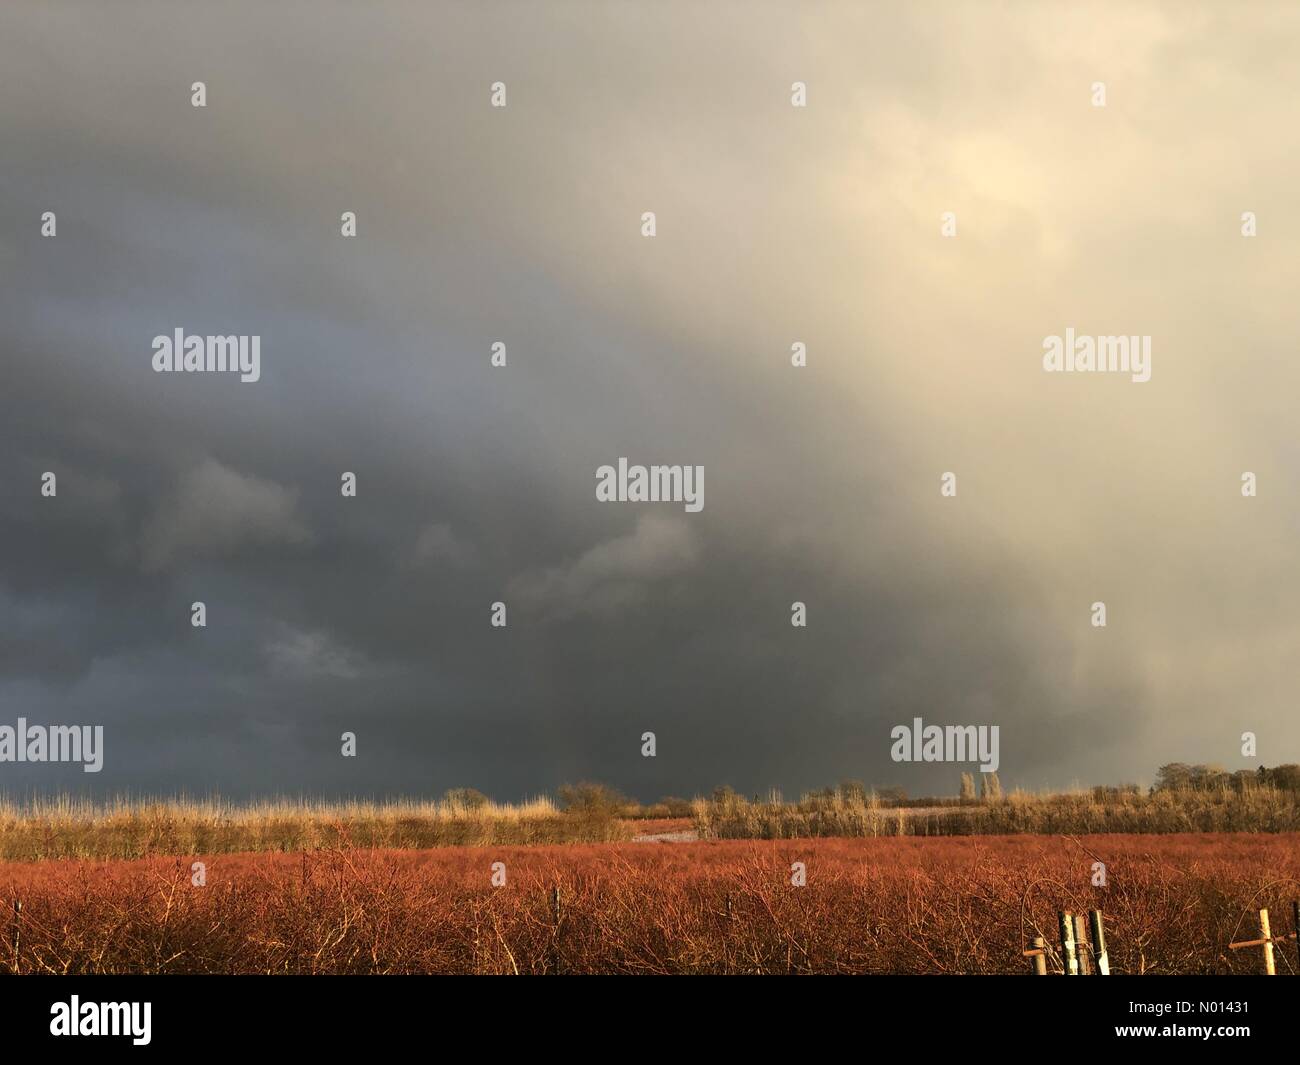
521, 225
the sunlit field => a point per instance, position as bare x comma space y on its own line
126, 828
1172, 903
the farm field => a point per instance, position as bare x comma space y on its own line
939, 905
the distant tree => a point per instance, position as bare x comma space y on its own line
1243, 780
1173, 776
853, 791
967, 788
1285, 777
470, 798
991, 787
892, 794
677, 807
590, 797
1208, 777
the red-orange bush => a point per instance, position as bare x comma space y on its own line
893, 905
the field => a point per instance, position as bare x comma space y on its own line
840, 814
124, 828
883, 905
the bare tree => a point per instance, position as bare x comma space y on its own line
991, 787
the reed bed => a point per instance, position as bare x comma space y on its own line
850, 814
127, 827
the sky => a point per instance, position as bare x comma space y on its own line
522, 224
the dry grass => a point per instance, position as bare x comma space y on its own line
1258, 809
134, 828
902, 905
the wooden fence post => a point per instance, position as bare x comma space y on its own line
1069, 963
1267, 937
1100, 960
1265, 940
1081, 946
557, 912
17, 936
1039, 953
1295, 929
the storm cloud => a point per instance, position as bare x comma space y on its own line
476, 484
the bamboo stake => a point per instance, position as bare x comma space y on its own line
1081, 946
17, 937
1069, 962
1100, 959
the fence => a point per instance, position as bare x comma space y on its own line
1267, 939
1080, 956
